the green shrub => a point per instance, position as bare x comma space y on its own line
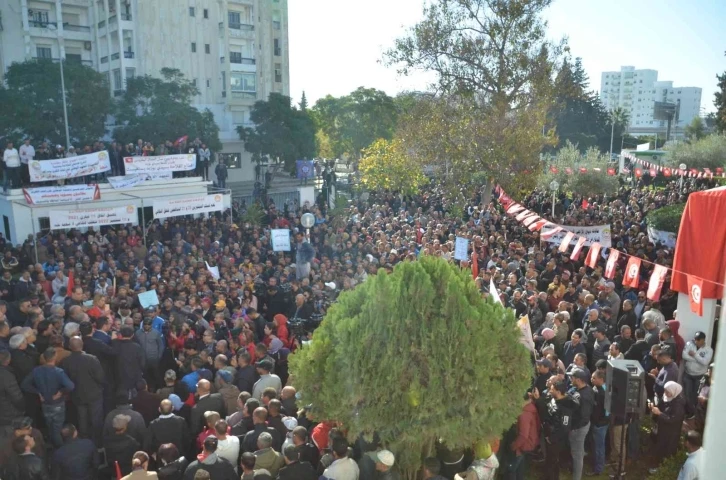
667, 219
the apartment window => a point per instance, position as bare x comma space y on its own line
278, 50
117, 85
207, 48
130, 73
43, 52
191, 11
235, 57
243, 82
233, 19
209, 82
224, 84
74, 58
278, 72
194, 47
276, 20
206, 13
39, 18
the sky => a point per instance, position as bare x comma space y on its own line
337, 46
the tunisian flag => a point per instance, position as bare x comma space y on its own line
656, 282
632, 272
592, 255
695, 289
71, 283
612, 262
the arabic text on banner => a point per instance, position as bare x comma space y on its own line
188, 205
64, 194
63, 219
667, 239
128, 181
280, 240
71, 167
598, 233
160, 163
461, 248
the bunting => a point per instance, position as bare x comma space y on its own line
632, 273
656, 282
695, 287
611, 264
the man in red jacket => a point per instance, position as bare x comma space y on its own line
528, 435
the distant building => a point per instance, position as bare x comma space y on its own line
636, 91
236, 51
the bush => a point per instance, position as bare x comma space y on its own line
671, 467
666, 219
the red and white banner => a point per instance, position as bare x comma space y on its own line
70, 167
64, 194
566, 241
592, 255
596, 233
65, 219
160, 163
578, 248
656, 282
611, 264
695, 287
189, 205
632, 273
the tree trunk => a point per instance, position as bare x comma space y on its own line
487, 197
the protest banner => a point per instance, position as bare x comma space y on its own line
58, 194
63, 219
280, 240
70, 167
667, 239
213, 270
461, 248
160, 163
188, 205
148, 299
305, 169
128, 181
598, 233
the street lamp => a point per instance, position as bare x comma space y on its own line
683, 167
307, 221
53, 28
554, 185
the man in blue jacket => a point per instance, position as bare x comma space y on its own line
77, 459
51, 384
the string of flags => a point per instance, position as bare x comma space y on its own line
653, 169
631, 274
569, 171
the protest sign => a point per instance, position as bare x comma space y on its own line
281, 240
63, 219
128, 181
160, 163
305, 169
598, 233
461, 249
69, 167
148, 299
213, 270
188, 205
61, 194
667, 239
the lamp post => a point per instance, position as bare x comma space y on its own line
554, 186
307, 221
63, 85
683, 167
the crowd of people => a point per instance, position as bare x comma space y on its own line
98, 382
16, 159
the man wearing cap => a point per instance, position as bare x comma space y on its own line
120, 446
384, 463
267, 379
697, 356
227, 389
585, 399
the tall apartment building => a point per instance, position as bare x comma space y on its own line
236, 51
636, 91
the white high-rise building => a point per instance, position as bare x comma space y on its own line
236, 51
636, 91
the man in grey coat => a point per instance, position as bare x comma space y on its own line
152, 344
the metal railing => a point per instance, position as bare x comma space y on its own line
76, 28
128, 54
115, 56
126, 16
248, 61
279, 198
112, 19
102, 24
241, 26
243, 95
41, 23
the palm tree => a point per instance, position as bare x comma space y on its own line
620, 117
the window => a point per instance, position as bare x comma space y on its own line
194, 47
206, 13
233, 19
243, 82
43, 52
191, 11
278, 72
235, 57
232, 160
224, 84
276, 20
74, 58
278, 50
209, 82
117, 85
130, 73
39, 18
207, 48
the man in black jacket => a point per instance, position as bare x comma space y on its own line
639, 350
217, 467
130, 361
556, 413
12, 402
86, 373
294, 469
106, 355
582, 392
600, 422
246, 373
306, 450
168, 428
27, 465
120, 446
628, 317
77, 459
259, 418
207, 402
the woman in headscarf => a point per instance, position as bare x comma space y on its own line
669, 415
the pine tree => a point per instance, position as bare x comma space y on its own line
416, 356
303, 102
720, 103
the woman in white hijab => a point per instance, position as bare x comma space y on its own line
669, 414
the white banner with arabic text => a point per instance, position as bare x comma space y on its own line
665, 238
188, 205
128, 181
62, 194
63, 219
70, 167
160, 163
598, 233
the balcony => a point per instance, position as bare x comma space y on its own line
104, 59
115, 56
241, 26
237, 58
76, 28
102, 24
126, 17
128, 54
112, 19
245, 95
41, 23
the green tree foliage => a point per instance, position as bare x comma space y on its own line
386, 166
32, 102
159, 109
355, 121
416, 356
281, 131
720, 103
667, 219
578, 114
695, 130
494, 68
303, 102
708, 152
594, 181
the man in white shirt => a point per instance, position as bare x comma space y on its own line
655, 315
11, 158
692, 468
696, 357
343, 467
228, 445
27, 153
